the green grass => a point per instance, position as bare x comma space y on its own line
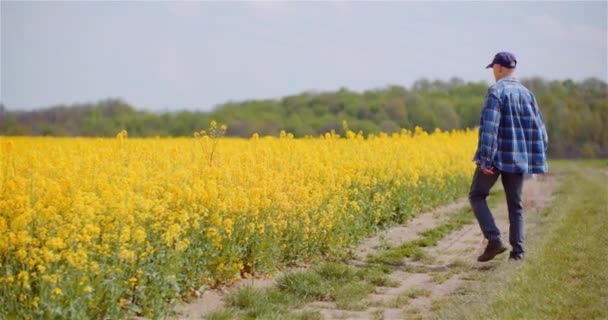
399, 301
414, 293
227, 314
306, 285
377, 275
565, 274
349, 296
413, 313
344, 285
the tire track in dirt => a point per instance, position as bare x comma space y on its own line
406, 232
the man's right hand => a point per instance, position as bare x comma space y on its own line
488, 171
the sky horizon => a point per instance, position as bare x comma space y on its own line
170, 56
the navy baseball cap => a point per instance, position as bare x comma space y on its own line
505, 59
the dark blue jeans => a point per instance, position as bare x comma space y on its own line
513, 185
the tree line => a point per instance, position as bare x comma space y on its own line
575, 114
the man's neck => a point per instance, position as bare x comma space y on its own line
505, 77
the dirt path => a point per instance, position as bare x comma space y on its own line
416, 285
447, 266
406, 232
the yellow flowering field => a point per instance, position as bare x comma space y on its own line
101, 228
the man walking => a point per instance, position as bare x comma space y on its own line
512, 142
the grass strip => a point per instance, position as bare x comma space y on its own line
565, 274
344, 285
413, 249
568, 278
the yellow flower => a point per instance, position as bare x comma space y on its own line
92, 207
132, 282
56, 292
140, 235
126, 255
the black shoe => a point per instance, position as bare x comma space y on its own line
493, 249
516, 256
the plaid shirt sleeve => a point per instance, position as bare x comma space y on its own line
488, 131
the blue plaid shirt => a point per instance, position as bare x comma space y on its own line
512, 136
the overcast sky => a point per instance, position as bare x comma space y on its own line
196, 55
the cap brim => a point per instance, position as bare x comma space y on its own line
490, 65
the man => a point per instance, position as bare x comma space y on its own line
512, 142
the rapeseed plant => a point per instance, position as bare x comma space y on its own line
98, 228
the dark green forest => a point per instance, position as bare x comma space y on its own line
575, 114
